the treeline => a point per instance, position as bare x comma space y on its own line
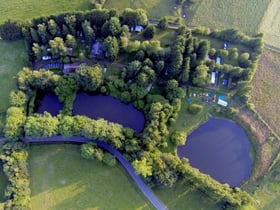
17, 194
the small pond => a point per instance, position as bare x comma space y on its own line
47, 102
219, 148
109, 108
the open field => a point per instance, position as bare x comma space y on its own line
62, 179
245, 15
265, 94
155, 8
28, 9
270, 23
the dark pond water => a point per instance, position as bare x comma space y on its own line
109, 108
219, 148
48, 102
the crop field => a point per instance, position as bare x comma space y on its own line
245, 15
265, 94
155, 8
270, 24
28, 9
62, 180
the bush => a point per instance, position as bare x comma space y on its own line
10, 31
149, 32
195, 108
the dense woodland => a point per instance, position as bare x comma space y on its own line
170, 68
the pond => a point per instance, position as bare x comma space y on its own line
109, 108
47, 102
219, 148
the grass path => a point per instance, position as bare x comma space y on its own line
62, 179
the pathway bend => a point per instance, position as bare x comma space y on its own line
136, 178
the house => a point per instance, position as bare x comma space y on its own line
218, 60
97, 49
226, 45
150, 86
136, 28
213, 77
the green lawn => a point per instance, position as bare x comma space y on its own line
62, 179
28, 9
155, 8
183, 196
270, 23
12, 55
245, 15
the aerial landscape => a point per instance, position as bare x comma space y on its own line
139, 105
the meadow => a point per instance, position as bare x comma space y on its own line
62, 179
270, 24
28, 9
265, 94
230, 13
155, 8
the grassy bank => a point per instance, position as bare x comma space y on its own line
62, 179
230, 13
28, 9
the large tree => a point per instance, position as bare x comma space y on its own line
111, 46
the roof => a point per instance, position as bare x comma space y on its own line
137, 28
213, 77
218, 60
222, 102
97, 49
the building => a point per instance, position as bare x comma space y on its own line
213, 77
218, 60
136, 28
222, 102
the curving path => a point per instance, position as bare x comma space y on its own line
136, 178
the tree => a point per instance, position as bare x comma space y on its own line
163, 23
34, 35
58, 47
18, 99
132, 17
201, 76
178, 138
88, 150
70, 21
53, 28
142, 167
88, 32
37, 51
10, 30
71, 41
89, 77
149, 32
42, 32
111, 27
111, 46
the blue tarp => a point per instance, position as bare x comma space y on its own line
222, 97
189, 99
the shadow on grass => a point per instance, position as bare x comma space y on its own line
62, 179
3, 183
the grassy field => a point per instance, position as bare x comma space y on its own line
154, 8
183, 196
12, 55
265, 95
62, 180
270, 23
28, 9
245, 15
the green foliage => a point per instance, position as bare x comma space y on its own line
14, 123
142, 167
149, 32
109, 159
201, 76
18, 99
111, 46
14, 157
178, 138
132, 17
195, 108
10, 31
163, 23
41, 125
111, 27
89, 77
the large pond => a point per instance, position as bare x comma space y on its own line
109, 108
47, 102
221, 149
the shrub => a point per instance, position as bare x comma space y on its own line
195, 108
10, 31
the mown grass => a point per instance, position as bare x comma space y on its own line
184, 196
12, 56
28, 9
62, 180
265, 94
245, 15
270, 23
155, 8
